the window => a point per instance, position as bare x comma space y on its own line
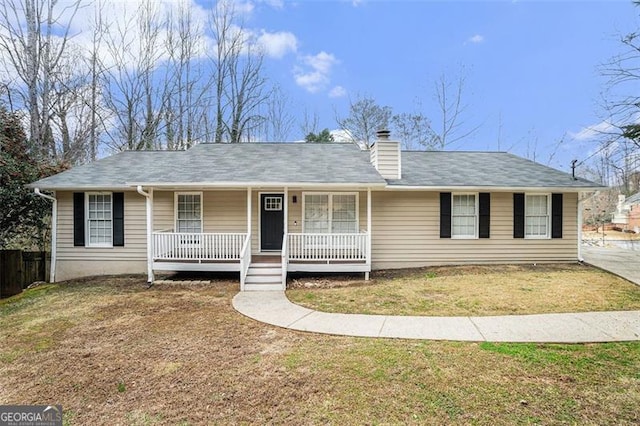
99, 220
464, 216
344, 214
335, 213
273, 203
536, 216
189, 212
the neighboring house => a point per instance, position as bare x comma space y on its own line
326, 207
627, 214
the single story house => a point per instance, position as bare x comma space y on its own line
627, 214
266, 209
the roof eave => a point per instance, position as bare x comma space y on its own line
496, 188
257, 184
235, 185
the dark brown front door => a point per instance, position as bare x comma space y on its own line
271, 221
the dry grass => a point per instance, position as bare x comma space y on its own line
112, 352
610, 235
473, 290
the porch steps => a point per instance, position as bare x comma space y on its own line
264, 277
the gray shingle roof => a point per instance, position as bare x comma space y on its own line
633, 199
442, 169
306, 163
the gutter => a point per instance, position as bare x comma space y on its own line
495, 188
54, 232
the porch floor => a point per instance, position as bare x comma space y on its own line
266, 258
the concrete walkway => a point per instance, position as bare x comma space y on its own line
625, 263
273, 307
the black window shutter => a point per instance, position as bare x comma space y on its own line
445, 215
78, 219
484, 210
518, 215
118, 219
556, 215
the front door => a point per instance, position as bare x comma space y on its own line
271, 221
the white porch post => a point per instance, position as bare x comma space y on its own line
580, 206
149, 204
366, 274
286, 209
249, 211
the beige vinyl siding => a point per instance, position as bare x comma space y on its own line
223, 211
73, 262
406, 233
163, 214
386, 158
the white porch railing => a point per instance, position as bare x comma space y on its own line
198, 246
245, 260
328, 247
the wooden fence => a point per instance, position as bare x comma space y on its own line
18, 269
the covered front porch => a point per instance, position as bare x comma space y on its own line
261, 233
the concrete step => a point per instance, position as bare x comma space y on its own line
264, 271
265, 265
257, 279
262, 287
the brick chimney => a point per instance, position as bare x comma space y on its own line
385, 156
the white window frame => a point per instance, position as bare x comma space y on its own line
538, 237
87, 228
330, 208
278, 207
175, 209
477, 216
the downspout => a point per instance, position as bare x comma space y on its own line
149, 205
54, 232
580, 207
582, 196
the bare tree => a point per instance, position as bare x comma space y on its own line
365, 118
188, 100
310, 122
239, 81
137, 89
278, 121
245, 92
71, 108
228, 39
619, 133
33, 37
452, 127
96, 70
413, 130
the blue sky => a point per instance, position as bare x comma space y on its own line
532, 67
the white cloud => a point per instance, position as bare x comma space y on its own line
337, 92
276, 4
313, 74
475, 39
593, 131
241, 7
277, 44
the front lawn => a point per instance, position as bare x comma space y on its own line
472, 290
112, 352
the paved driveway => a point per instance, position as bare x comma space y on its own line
625, 263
